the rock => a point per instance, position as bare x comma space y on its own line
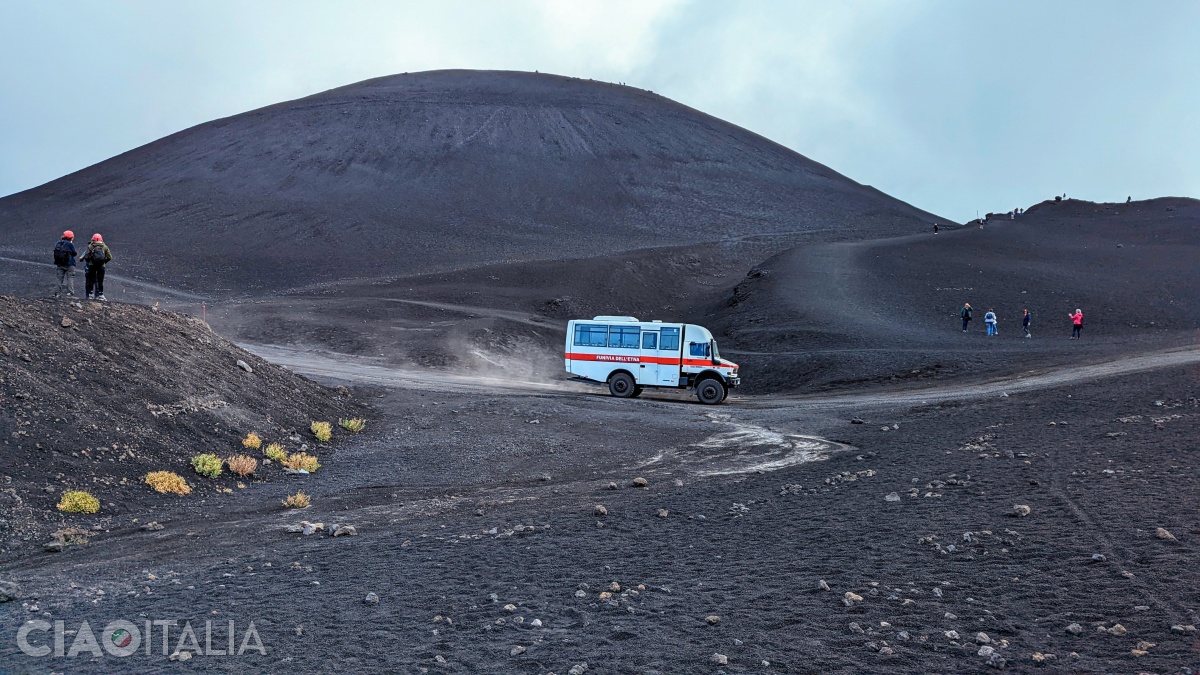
54, 546
614, 587
1074, 629
536, 623
1162, 533
600, 510
345, 531
510, 607
853, 597
986, 651
712, 619
1183, 628
612, 485
244, 366
371, 599
440, 660
640, 482
1141, 608
581, 594
1098, 557
663, 513
903, 635
856, 629
1021, 510
66, 322
885, 428
982, 639
516, 651
1146, 646
856, 420
719, 659
152, 526
1117, 630
952, 634
1127, 574
605, 595
578, 669
311, 528
9, 591
180, 656
996, 661
937, 592
822, 585
892, 497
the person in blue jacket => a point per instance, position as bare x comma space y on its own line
990, 320
1025, 320
64, 263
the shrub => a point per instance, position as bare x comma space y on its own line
354, 425
167, 481
252, 441
78, 501
207, 464
242, 465
322, 431
302, 460
275, 453
297, 501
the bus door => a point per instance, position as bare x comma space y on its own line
648, 369
669, 356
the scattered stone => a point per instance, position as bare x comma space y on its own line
371, 599
1146, 646
952, 634
244, 366
1182, 628
1162, 533
663, 513
982, 639
1127, 574
516, 651
996, 661
856, 629
180, 656
311, 528
1141, 608
885, 428
892, 497
54, 546
1117, 630
614, 587
1098, 557
857, 420
986, 651
853, 597
510, 607
9, 591
152, 526
600, 510
712, 619
581, 594
536, 623
640, 482
345, 531
67, 322
1021, 510
440, 660
612, 485
605, 595
937, 592
822, 585
719, 659
1074, 629
578, 669
949, 616
903, 635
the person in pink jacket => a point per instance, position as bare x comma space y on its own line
1076, 323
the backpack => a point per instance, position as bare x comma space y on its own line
96, 255
62, 257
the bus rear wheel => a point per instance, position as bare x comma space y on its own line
710, 391
622, 385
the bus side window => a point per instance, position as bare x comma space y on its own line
649, 340
699, 349
591, 336
624, 337
670, 340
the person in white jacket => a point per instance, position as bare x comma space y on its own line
990, 320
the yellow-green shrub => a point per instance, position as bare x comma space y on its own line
353, 425
275, 453
322, 431
242, 465
302, 460
167, 481
297, 501
78, 501
207, 464
252, 441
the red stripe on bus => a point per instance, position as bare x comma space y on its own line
621, 358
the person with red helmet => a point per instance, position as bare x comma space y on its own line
64, 263
95, 258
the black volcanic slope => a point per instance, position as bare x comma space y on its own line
433, 171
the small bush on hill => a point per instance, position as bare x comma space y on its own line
167, 481
207, 464
78, 501
297, 501
275, 453
322, 431
354, 425
302, 460
252, 441
242, 465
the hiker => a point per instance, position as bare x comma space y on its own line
935, 228
1129, 199
95, 258
990, 320
64, 262
965, 313
1025, 323
1076, 323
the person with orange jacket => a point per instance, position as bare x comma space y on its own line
1076, 323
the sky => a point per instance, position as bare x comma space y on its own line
955, 106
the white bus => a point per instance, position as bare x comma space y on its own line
631, 355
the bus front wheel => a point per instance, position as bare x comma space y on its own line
710, 391
622, 385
